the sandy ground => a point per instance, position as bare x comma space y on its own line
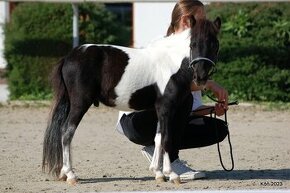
104, 160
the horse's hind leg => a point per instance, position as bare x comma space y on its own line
75, 115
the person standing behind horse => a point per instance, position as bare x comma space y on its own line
200, 131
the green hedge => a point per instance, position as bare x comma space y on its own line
38, 35
254, 58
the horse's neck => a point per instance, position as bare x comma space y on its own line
170, 50
175, 43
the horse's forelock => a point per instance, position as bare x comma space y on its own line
203, 27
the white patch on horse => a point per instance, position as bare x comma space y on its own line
153, 64
155, 163
66, 168
138, 74
85, 46
166, 164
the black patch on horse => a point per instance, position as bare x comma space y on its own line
143, 98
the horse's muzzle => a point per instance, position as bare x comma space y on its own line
204, 69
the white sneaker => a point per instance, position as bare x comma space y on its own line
180, 167
148, 152
185, 172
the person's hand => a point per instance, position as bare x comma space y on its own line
219, 109
222, 96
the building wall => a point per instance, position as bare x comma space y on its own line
3, 12
150, 21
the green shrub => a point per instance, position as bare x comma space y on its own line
254, 58
254, 55
38, 35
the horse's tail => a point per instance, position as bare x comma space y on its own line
52, 144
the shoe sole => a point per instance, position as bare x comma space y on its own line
145, 154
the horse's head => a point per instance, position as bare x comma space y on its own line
204, 47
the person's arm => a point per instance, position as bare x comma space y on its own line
220, 93
200, 111
194, 87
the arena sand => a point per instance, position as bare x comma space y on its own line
104, 160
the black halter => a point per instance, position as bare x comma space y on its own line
199, 59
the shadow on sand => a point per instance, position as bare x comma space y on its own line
268, 174
112, 179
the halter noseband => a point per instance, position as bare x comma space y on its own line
198, 59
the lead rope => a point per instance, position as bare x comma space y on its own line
229, 140
226, 122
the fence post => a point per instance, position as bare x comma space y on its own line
75, 25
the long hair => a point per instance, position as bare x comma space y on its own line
185, 8
52, 146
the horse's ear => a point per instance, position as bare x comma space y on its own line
218, 23
192, 20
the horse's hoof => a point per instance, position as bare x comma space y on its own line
62, 178
160, 179
174, 178
72, 181
176, 181
159, 176
152, 168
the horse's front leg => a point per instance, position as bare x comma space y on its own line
167, 145
167, 170
166, 114
155, 165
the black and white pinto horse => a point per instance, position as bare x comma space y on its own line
158, 76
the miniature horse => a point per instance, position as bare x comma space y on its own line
158, 76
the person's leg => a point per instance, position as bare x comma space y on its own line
203, 131
140, 127
179, 125
199, 132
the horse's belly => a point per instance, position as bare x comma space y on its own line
143, 98
136, 99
